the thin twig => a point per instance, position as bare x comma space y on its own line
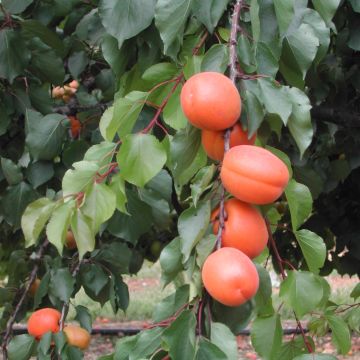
9, 327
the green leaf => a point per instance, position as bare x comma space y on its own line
299, 123
173, 114
254, 112
59, 223
83, 317
295, 347
125, 19
263, 295
179, 337
38, 173
355, 293
225, 340
77, 63
216, 59
81, 226
266, 336
284, 10
61, 284
170, 19
117, 185
140, 158
77, 179
326, 8
267, 58
34, 219
282, 156
270, 91
100, 204
11, 171
192, 226
93, 278
45, 135
21, 347
122, 116
208, 351
299, 50
315, 357
209, 12
201, 182
170, 260
300, 203
340, 333
16, 6
204, 248
42, 290
302, 291
14, 55
313, 249
355, 5
160, 72
193, 66
246, 54
147, 343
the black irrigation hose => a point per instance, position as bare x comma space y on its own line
133, 331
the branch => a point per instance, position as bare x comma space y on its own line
74, 107
338, 116
11, 321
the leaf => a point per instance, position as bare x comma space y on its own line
77, 63
246, 54
170, 260
355, 293
326, 8
263, 295
117, 185
93, 278
16, 6
254, 112
160, 72
77, 179
81, 226
207, 350
61, 284
204, 248
192, 226
147, 343
100, 204
39, 172
11, 171
127, 18
299, 123
225, 340
34, 219
313, 249
83, 317
209, 12
179, 337
14, 55
266, 336
355, 5
270, 91
59, 223
44, 134
173, 114
122, 116
300, 203
294, 347
201, 181
302, 291
140, 158
340, 333
170, 19
216, 59
21, 347
315, 357
284, 10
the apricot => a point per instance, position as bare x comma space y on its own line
210, 101
74, 84
70, 242
58, 92
213, 141
230, 277
245, 228
34, 286
253, 174
77, 336
75, 126
43, 321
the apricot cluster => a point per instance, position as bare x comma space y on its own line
66, 92
253, 175
47, 320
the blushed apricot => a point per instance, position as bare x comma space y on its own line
74, 84
43, 321
77, 336
213, 141
230, 277
210, 101
245, 228
253, 174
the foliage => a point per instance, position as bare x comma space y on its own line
137, 173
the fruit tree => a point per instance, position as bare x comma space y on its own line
219, 136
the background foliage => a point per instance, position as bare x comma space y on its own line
128, 188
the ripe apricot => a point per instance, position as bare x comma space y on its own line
70, 242
74, 84
43, 321
75, 126
77, 336
213, 141
253, 174
230, 277
210, 101
245, 228
34, 286
58, 92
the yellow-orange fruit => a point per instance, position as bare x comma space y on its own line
58, 92
245, 228
213, 141
43, 321
210, 101
34, 286
77, 336
230, 277
74, 84
70, 242
253, 174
